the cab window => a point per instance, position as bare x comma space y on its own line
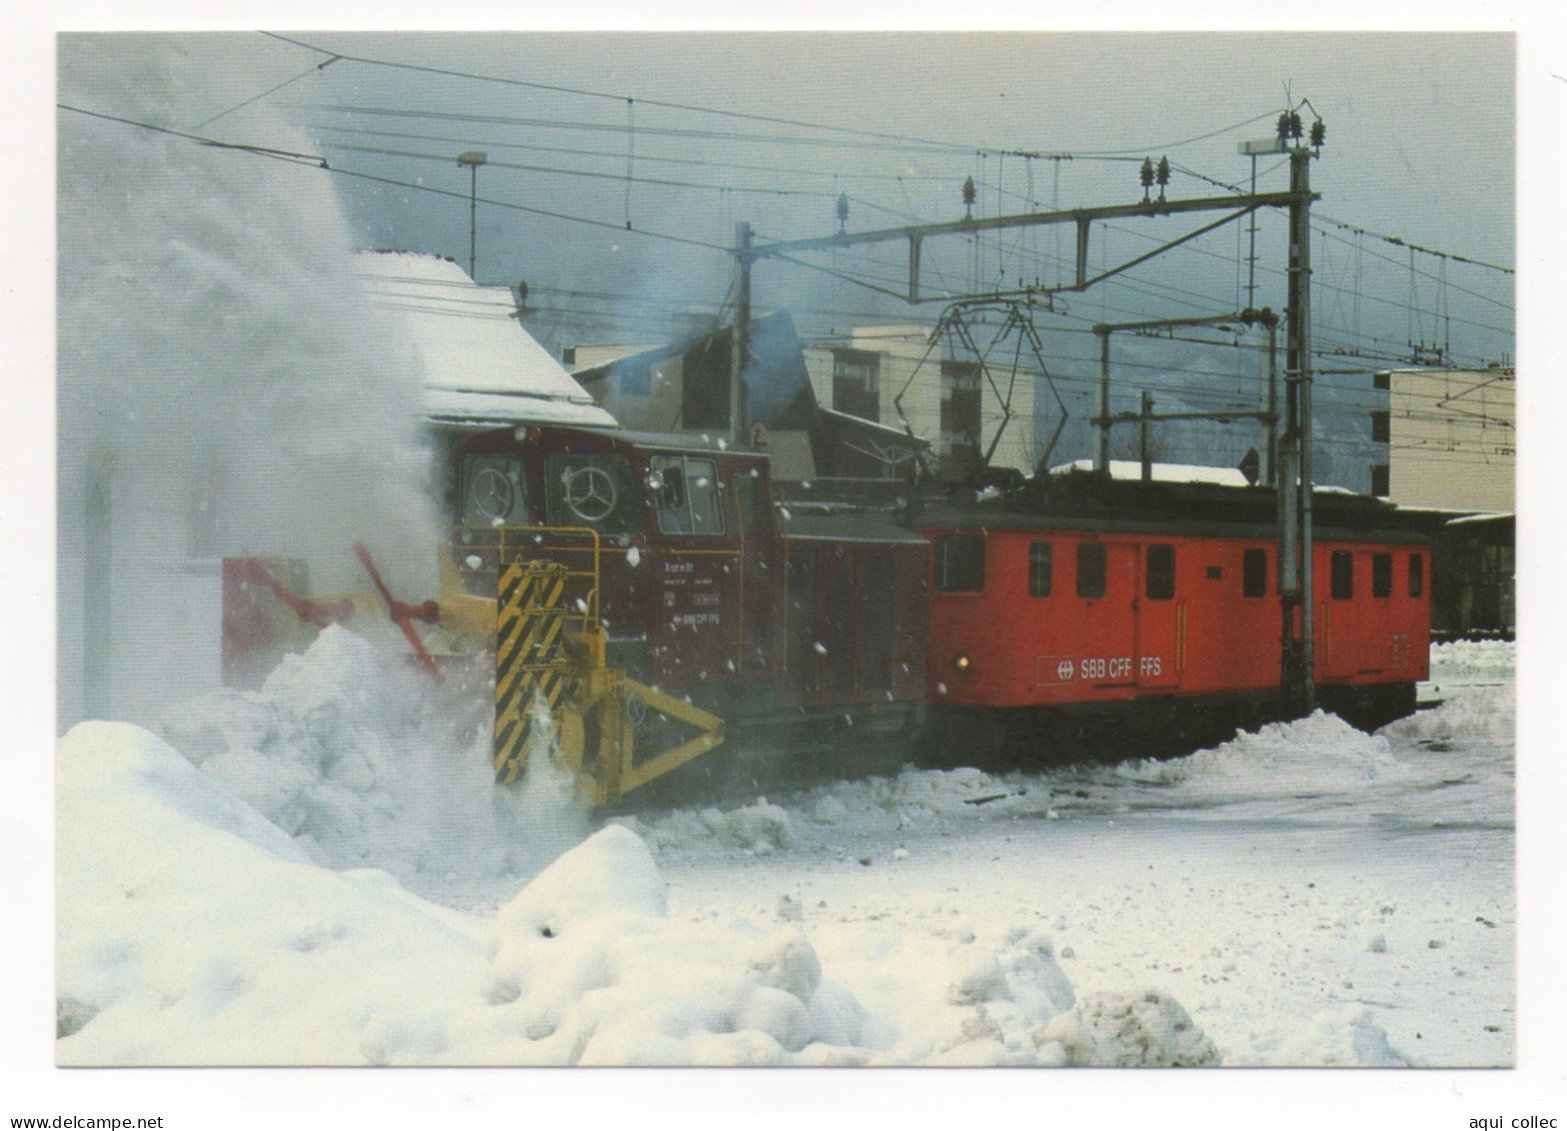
1381, 575
685, 495
494, 491
594, 490
1039, 569
960, 563
1160, 574
1090, 569
1343, 575
1254, 573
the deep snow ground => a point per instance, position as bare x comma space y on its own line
1287, 864
1280, 935
1298, 890
1305, 896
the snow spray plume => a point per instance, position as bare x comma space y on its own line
546, 811
224, 388
364, 762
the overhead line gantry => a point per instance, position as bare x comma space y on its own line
747, 251
1292, 462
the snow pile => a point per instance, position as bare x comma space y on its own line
1129, 1031
906, 798
1479, 716
1461, 659
588, 969
952, 995
192, 931
760, 829
363, 762
1321, 753
912, 798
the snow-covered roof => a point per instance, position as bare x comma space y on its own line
1489, 516
1162, 472
478, 361
448, 406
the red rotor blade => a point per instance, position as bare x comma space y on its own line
402, 613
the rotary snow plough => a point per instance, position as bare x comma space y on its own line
645, 599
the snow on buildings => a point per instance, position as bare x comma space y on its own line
1162, 472
480, 367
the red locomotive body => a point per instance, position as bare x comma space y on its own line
1106, 593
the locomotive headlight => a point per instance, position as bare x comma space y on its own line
962, 662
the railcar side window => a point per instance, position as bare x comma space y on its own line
1090, 569
1254, 573
685, 495
1343, 575
494, 491
1160, 575
960, 563
594, 490
1417, 575
1381, 575
1040, 569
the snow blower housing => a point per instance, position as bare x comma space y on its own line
649, 600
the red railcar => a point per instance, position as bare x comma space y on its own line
1083, 594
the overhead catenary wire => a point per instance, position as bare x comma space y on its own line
850, 131
559, 89
627, 178
1130, 153
1019, 252
1013, 260
317, 69
322, 164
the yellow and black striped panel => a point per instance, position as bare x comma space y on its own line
530, 614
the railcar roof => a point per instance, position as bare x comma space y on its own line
853, 526
1092, 503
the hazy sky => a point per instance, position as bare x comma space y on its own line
1420, 147
618, 165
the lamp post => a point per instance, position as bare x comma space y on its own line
472, 160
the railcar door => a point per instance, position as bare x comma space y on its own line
762, 569
1356, 624
1107, 591
1161, 615
698, 637
1339, 612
